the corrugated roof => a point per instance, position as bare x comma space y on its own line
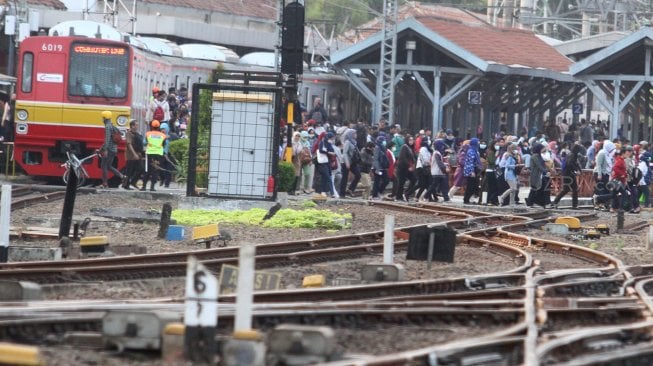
251, 8
506, 46
54, 4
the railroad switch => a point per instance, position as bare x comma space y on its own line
291, 344
19, 291
378, 272
136, 329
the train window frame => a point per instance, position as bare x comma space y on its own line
118, 90
27, 77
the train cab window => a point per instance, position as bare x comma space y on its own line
28, 67
98, 70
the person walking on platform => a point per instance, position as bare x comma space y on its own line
109, 150
155, 140
134, 154
508, 164
569, 181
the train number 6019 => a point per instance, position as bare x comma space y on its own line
51, 47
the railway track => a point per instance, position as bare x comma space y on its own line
524, 312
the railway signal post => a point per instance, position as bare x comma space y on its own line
292, 65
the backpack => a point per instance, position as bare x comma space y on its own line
158, 113
137, 143
115, 135
305, 156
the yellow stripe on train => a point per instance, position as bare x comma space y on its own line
72, 114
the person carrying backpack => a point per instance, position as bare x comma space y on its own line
159, 109
134, 154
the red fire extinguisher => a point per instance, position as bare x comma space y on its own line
270, 190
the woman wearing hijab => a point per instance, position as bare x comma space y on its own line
602, 172
471, 169
538, 172
306, 170
459, 179
351, 159
423, 169
491, 176
324, 150
569, 181
296, 152
508, 164
406, 170
380, 165
439, 173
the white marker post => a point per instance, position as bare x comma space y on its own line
245, 290
201, 313
5, 216
389, 240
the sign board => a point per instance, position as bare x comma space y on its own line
201, 306
262, 280
474, 97
577, 108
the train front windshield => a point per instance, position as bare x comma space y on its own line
97, 70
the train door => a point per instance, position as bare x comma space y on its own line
49, 86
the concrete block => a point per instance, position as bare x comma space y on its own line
239, 352
172, 347
29, 254
314, 281
560, 229
382, 272
572, 223
19, 291
136, 329
175, 232
294, 344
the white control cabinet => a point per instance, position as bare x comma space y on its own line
241, 145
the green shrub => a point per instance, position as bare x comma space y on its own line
179, 151
286, 177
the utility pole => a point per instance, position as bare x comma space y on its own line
111, 9
384, 107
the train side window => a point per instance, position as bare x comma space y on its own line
28, 66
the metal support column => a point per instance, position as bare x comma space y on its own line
437, 107
384, 107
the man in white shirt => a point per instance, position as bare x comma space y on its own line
160, 101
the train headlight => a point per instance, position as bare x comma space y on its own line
122, 120
21, 114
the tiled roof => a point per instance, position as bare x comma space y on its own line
506, 46
251, 8
412, 9
54, 4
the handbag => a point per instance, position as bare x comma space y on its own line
333, 162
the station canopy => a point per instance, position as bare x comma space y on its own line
449, 51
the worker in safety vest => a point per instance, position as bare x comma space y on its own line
155, 141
